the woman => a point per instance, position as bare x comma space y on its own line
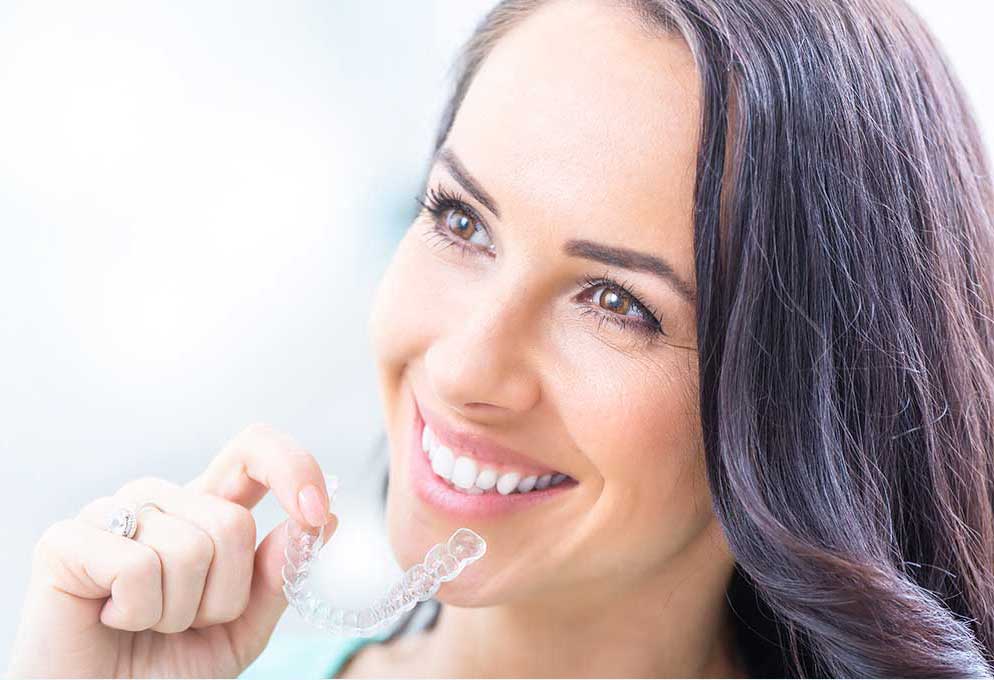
700, 302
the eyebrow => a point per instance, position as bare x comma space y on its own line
615, 256
631, 259
455, 167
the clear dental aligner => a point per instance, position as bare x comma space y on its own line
444, 562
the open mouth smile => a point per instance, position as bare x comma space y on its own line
458, 483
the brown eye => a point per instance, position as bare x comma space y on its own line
460, 223
614, 301
623, 305
463, 226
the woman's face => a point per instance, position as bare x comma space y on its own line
527, 322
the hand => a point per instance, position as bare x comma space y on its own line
189, 595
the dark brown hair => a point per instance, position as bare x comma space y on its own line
844, 247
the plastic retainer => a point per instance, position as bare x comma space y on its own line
443, 562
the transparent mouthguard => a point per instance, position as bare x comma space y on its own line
443, 562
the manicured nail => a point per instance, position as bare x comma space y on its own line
312, 505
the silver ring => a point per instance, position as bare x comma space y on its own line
124, 520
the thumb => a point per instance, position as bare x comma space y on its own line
250, 633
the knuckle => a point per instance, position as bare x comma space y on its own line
51, 531
196, 548
235, 525
245, 439
140, 614
231, 608
145, 565
303, 456
144, 568
173, 624
46, 545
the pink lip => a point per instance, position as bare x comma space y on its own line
480, 447
435, 492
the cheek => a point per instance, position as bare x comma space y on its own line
399, 327
637, 422
400, 321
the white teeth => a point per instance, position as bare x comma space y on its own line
442, 461
464, 472
507, 482
487, 479
468, 476
527, 484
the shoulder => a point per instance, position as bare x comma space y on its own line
302, 656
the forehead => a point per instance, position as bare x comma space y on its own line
585, 125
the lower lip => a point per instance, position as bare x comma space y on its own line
436, 492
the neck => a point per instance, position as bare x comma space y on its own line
677, 623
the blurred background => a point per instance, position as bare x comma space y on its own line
197, 200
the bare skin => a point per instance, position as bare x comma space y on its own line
190, 594
579, 125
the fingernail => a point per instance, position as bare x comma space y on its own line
312, 505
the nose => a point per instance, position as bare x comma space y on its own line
481, 364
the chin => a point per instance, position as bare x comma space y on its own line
423, 509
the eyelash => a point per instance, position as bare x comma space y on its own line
438, 201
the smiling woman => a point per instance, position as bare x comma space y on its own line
723, 270
694, 332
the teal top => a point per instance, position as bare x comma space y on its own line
306, 656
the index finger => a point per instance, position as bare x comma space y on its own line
261, 458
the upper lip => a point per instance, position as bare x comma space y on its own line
478, 446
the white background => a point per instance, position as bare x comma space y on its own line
196, 201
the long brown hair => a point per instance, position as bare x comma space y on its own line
844, 246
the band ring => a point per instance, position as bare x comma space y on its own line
124, 520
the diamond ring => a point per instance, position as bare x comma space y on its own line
124, 520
